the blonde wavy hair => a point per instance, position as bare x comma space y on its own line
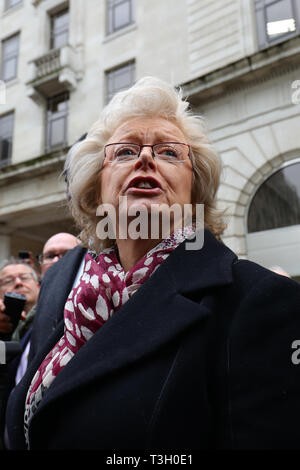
149, 97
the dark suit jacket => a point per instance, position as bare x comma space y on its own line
55, 288
10, 379
198, 358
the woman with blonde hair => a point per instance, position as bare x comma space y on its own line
166, 341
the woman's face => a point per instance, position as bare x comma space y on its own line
147, 180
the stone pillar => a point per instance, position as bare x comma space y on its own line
4, 247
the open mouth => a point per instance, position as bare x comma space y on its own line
144, 183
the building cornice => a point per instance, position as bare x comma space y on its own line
244, 73
44, 164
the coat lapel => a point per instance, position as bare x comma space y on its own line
158, 312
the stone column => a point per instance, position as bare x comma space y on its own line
4, 247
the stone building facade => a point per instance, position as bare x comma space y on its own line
237, 61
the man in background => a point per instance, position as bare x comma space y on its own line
18, 277
55, 248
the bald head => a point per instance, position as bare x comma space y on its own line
56, 247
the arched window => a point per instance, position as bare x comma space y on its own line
277, 202
274, 221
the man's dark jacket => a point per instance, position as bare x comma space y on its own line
55, 288
201, 357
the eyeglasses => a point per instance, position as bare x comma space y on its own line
10, 280
169, 152
49, 258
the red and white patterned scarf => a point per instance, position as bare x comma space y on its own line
101, 290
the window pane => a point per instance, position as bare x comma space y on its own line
57, 132
58, 103
6, 132
5, 150
9, 70
277, 202
119, 14
61, 21
12, 3
6, 125
10, 50
277, 20
280, 18
57, 120
122, 15
10, 46
120, 79
59, 29
60, 40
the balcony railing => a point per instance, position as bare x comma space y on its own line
48, 63
54, 72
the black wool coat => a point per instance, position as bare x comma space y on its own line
199, 358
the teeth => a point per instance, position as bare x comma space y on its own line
144, 185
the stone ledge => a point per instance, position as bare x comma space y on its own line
33, 168
252, 70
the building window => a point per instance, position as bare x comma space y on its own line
119, 79
277, 20
11, 3
59, 29
120, 13
57, 121
6, 133
277, 202
10, 53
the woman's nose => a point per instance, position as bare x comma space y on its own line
146, 158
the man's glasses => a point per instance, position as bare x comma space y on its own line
169, 152
49, 258
10, 280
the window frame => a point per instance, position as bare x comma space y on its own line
53, 16
109, 74
51, 117
263, 192
14, 55
9, 137
110, 15
7, 5
264, 41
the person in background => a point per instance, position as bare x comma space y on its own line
20, 278
55, 248
28, 258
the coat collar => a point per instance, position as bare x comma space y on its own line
157, 313
194, 270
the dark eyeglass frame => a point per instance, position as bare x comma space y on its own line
51, 257
152, 148
24, 277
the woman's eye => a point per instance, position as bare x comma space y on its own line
124, 152
168, 152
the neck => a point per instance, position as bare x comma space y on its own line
131, 251
28, 307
